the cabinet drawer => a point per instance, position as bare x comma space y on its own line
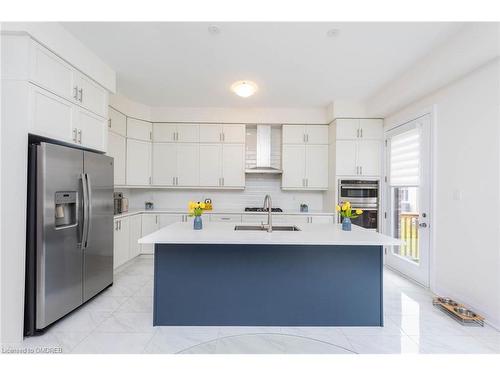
231, 218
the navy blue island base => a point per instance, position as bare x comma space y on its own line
267, 285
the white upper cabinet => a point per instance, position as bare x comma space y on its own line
305, 167
371, 128
117, 122
222, 165
308, 134
176, 164
294, 166
222, 133
188, 164
317, 167
347, 128
233, 133
51, 72
358, 158
92, 130
369, 158
359, 128
90, 95
184, 133
139, 129
117, 149
345, 157
210, 165
164, 164
51, 116
138, 162
233, 165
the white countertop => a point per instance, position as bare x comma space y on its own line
224, 233
132, 211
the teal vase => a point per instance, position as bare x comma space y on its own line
197, 223
346, 224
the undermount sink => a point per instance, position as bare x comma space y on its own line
278, 228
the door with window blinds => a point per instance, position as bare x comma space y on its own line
408, 197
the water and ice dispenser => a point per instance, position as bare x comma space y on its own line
66, 209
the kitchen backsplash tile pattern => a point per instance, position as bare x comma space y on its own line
257, 186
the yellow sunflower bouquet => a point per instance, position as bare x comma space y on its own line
345, 210
196, 208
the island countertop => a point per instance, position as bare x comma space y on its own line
309, 234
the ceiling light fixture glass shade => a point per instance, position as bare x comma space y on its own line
244, 88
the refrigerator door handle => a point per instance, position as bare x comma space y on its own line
85, 218
89, 207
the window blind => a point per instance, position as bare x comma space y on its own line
405, 159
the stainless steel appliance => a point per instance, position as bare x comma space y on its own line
70, 231
363, 194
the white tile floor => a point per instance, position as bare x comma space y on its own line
120, 321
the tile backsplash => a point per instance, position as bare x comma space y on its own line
257, 186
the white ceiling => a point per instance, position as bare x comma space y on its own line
294, 64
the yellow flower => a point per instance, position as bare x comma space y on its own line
337, 208
202, 205
345, 207
348, 204
359, 212
191, 205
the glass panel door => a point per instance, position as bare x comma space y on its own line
408, 198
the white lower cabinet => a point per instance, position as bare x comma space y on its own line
150, 224
121, 244
288, 219
135, 234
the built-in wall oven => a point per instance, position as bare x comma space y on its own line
363, 194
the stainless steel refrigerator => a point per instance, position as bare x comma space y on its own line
70, 231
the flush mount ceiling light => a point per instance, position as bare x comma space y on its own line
214, 30
244, 88
332, 33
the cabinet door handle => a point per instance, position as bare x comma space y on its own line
109, 123
177, 181
75, 92
304, 138
156, 219
361, 130
360, 169
75, 139
357, 133
223, 137
81, 95
307, 182
150, 180
173, 180
80, 136
307, 138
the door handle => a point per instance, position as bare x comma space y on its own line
89, 208
109, 123
79, 136
83, 177
422, 225
75, 137
75, 92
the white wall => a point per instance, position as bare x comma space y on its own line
475, 45
466, 232
257, 186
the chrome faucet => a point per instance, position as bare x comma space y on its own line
268, 204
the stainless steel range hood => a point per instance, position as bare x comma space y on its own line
263, 152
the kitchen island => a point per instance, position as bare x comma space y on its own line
317, 276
